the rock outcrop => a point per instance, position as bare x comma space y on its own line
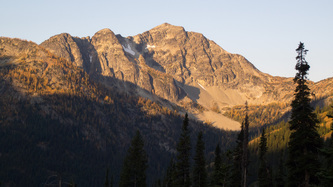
176, 65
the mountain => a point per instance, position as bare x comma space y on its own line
56, 120
178, 68
70, 106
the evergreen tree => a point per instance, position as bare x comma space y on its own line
304, 140
264, 173
327, 173
135, 164
235, 173
225, 168
182, 177
199, 171
218, 177
245, 147
169, 179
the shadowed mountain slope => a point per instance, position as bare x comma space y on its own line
179, 66
56, 120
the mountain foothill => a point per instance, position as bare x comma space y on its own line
72, 104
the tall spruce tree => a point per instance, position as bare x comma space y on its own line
245, 151
225, 167
304, 140
264, 173
218, 176
235, 173
135, 164
182, 177
199, 171
169, 179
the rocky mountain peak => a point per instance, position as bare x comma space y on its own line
167, 32
167, 27
61, 35
104, 33
105, 38
63, 45
168, 62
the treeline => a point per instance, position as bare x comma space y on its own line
260, 114
265, 163
55, 120
278, 137
186, 168
73, 128
303, 157
84, 137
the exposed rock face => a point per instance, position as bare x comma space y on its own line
109, 56
191, 57
174, 64
63, 45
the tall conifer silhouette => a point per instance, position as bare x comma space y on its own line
135, 164
304, 143
199, 171
245, 152
183, 156
264, 172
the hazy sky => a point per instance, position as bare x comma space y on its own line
265, 32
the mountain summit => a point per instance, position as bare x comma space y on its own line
71, 105
170, 63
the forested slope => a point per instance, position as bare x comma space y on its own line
55, 120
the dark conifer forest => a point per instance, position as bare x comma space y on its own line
61, 126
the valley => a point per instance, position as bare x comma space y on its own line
71, 105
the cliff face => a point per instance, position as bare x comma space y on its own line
63, 121
115, 61
56, 104
176, 65
191, 57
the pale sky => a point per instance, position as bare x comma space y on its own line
265, 32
